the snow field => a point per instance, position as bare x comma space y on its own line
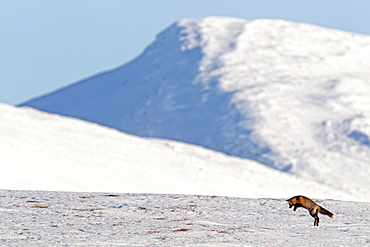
105, 219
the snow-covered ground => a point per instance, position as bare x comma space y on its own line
32, 218
292, 96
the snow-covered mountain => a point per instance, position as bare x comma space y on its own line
289, 95
41, 151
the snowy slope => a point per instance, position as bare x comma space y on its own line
37, 218
41, 151
292, 96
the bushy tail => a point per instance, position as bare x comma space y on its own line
326, 212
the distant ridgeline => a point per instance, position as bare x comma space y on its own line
289, 95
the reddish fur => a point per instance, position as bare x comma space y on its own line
311, 206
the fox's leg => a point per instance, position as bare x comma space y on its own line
296, 206
314, 213
317, 221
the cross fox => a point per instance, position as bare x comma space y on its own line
311, 206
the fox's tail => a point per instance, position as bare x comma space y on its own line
326, 212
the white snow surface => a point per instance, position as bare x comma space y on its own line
292, 96
42, 151
36, 218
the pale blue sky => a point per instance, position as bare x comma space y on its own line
47, 44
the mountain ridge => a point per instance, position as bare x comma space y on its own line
42, 151
289, 95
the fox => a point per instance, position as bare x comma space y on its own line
311, 206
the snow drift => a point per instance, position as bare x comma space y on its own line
289, 95
41, 151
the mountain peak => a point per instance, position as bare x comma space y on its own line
292, 96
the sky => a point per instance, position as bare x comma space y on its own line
45, 45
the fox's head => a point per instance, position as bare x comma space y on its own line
292, 201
